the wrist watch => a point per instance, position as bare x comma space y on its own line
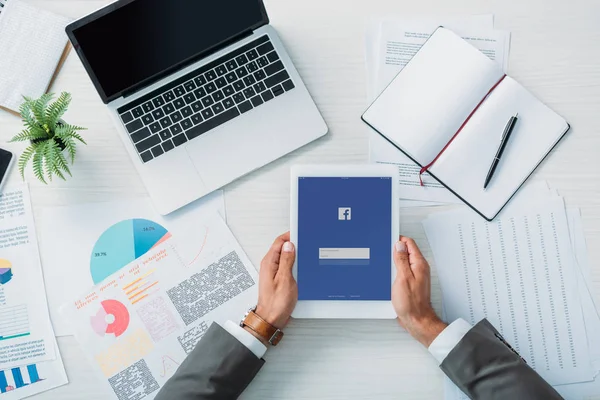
262, 328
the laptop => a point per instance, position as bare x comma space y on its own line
201, 92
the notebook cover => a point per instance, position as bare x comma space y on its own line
61, 62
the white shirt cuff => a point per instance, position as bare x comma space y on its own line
246, 338
448, 339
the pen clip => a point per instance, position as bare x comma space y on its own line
511, 121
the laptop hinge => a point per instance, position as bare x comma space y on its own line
150, 81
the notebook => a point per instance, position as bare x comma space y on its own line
33, 46
447, 110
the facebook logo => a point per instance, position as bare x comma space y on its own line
344, 213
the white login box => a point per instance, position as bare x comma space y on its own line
344, 254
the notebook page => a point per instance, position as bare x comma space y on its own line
518, 272
427, 102
32, 42
464, 165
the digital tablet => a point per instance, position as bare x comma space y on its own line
344, 223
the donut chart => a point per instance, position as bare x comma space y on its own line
5, 271
113, 311
122, 243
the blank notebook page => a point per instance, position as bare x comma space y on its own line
32, 42
464, 165
427, 102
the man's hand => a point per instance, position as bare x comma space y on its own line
411, 293
277, 289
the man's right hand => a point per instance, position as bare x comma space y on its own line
411, 293
277, 288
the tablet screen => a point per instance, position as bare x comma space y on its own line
344, 238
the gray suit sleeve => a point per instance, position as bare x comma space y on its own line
220, 367
484, 366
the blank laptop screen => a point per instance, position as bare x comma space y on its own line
144, 38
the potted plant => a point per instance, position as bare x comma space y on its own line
49, 137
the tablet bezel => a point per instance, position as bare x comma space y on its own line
357, 309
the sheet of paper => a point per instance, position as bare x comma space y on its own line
26, 334
590, 315
374, 34
396, 42
109, 236
138, 325
21, 382
590, 312
486, 269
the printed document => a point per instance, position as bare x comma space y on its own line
26, 335
21, 382
577, 391
109, 236
519, 272
138, 325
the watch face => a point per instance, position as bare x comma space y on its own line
251, 309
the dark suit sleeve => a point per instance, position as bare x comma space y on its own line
220, 367
484, 366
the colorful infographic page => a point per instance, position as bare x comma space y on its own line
140, 323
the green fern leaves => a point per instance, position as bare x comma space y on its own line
49, 136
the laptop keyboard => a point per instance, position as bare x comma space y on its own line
205, 98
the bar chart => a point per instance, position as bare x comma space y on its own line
14, 322
16, 378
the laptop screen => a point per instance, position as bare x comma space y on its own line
130, 42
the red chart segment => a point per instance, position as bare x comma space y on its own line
112, 318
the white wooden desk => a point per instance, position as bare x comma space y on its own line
555, 53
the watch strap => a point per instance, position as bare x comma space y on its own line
262, 328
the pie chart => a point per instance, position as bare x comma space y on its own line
111, 318
5, 271
123, 243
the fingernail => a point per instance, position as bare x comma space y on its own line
400, 247
288, 247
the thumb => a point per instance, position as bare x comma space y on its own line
287, 259
401, 260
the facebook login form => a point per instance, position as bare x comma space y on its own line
344, 237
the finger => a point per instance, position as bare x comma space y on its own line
414, 254
418, 264
401, 260
275, 251
270, 263
287, 259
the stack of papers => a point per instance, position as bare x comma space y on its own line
30, 361
390, 44
139, 324
527, 273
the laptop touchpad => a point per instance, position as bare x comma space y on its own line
223, 155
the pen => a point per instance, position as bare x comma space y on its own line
505, 137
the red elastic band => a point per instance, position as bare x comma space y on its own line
425, 168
